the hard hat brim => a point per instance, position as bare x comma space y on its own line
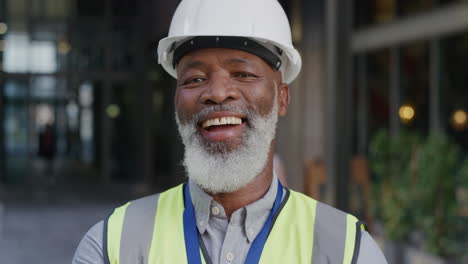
291, 59
271, 57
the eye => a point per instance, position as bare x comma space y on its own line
194, 80
245, 75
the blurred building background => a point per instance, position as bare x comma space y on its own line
86, 113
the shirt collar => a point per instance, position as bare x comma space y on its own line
258, 211
202, 204
253, 215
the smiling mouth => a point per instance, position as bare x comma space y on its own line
227, 121
223, 127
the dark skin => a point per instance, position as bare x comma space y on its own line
225, 76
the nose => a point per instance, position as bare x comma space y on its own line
219, 90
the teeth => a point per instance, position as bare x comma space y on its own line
230, 120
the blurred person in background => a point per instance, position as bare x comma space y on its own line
47, 150
233, 66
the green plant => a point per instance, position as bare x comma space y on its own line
416, 189
393, 195
438, 163
462, 201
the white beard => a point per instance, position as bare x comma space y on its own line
218, 170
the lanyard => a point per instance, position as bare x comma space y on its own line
191, 234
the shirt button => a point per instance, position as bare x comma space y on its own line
201, 223
229, 257
250, 232
215, 210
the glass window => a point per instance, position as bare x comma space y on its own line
16, 25
168, 150
125, 7
42, 57
61, 128
17, 142
16, 8
82, 143
378, 75
15, 88
370, 12
123, 50
90, 8
3, 9
454, 102
86, 46
412, 7
50, 8
15, 54
16, 132
415, 86
57, 8
87, 58
22, 55
63, 50
444, 2
123, 110
37, 7
43, 87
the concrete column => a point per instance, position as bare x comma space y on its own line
146, 131
145, 95
289, 135
434, 86
339, 100
3, 12
105, 133
300, 134
313, 81
362, 105
2, 134
105, 136
395, 95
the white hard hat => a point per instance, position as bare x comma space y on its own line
235, 23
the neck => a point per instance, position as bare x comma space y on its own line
248, 194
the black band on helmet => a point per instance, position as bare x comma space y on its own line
239, 43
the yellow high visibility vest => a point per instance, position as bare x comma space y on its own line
150, 231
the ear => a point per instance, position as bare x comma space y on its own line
283, 99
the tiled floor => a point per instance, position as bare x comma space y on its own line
42, 219
45, 233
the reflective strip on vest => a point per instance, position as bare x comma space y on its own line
136, 241
168, 236
150, 231
114, 233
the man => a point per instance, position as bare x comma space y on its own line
233, 61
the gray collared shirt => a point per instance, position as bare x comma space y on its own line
226, 241
229, 241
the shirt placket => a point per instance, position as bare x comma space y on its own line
234, 244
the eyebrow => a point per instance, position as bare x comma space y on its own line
201, 64
193, 64
237, 61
